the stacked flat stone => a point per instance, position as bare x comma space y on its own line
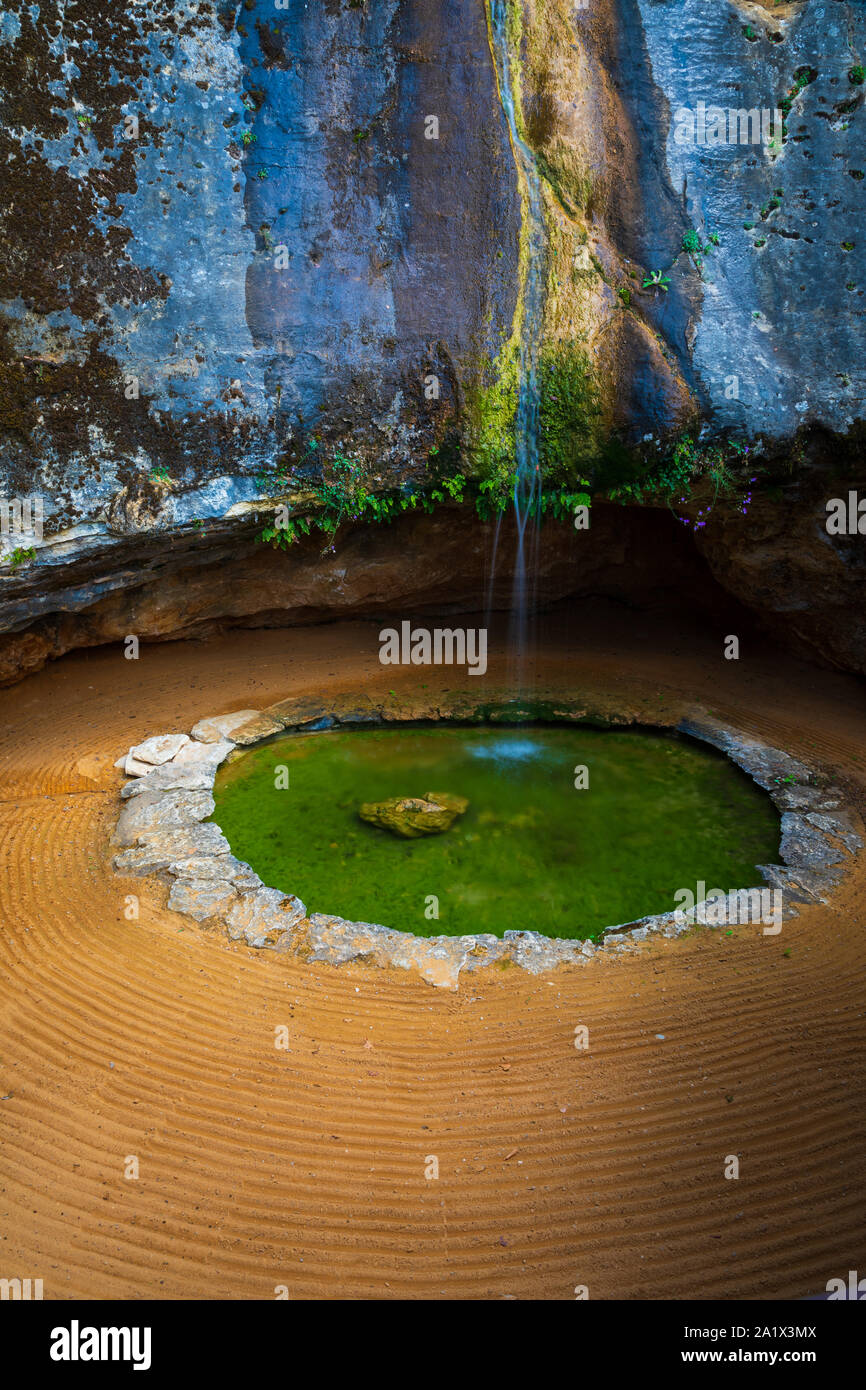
164, 830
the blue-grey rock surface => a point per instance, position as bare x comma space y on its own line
780, 339
228, 236
235, 260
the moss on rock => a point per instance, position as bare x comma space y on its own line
410, 817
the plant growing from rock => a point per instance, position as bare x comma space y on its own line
281, 537
19, 557
344, 493
687, 466
803, 77
693, 246
774, 203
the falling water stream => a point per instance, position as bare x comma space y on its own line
527, 477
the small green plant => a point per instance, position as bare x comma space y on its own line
803, 77
85, 121
262, 173
360, 135
693, 246
343, 494
749, 33
19, 557
857, 75
656, 280
248, 137
847, 245
450, 487
562, 503
493, 495
686, 465
625, 294
281, 537
160, 475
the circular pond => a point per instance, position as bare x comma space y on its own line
535, 848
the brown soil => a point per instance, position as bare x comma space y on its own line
305, 1168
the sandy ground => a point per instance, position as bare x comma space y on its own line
306, 1168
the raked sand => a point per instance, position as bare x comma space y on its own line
305, 1168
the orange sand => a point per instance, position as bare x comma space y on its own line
305, 1168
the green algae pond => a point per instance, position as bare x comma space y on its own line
651, 813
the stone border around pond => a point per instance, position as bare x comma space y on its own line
169, 795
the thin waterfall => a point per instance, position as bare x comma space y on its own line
488, 605
527, 476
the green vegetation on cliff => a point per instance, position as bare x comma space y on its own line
570, 411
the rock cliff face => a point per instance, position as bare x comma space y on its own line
248, 247
228, 234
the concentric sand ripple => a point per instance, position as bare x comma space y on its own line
305, 1168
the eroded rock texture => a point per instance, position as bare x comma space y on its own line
420, 565
245, 246
279, 252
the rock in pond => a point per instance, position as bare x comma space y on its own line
414, 816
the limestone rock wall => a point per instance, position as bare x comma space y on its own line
234, 256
